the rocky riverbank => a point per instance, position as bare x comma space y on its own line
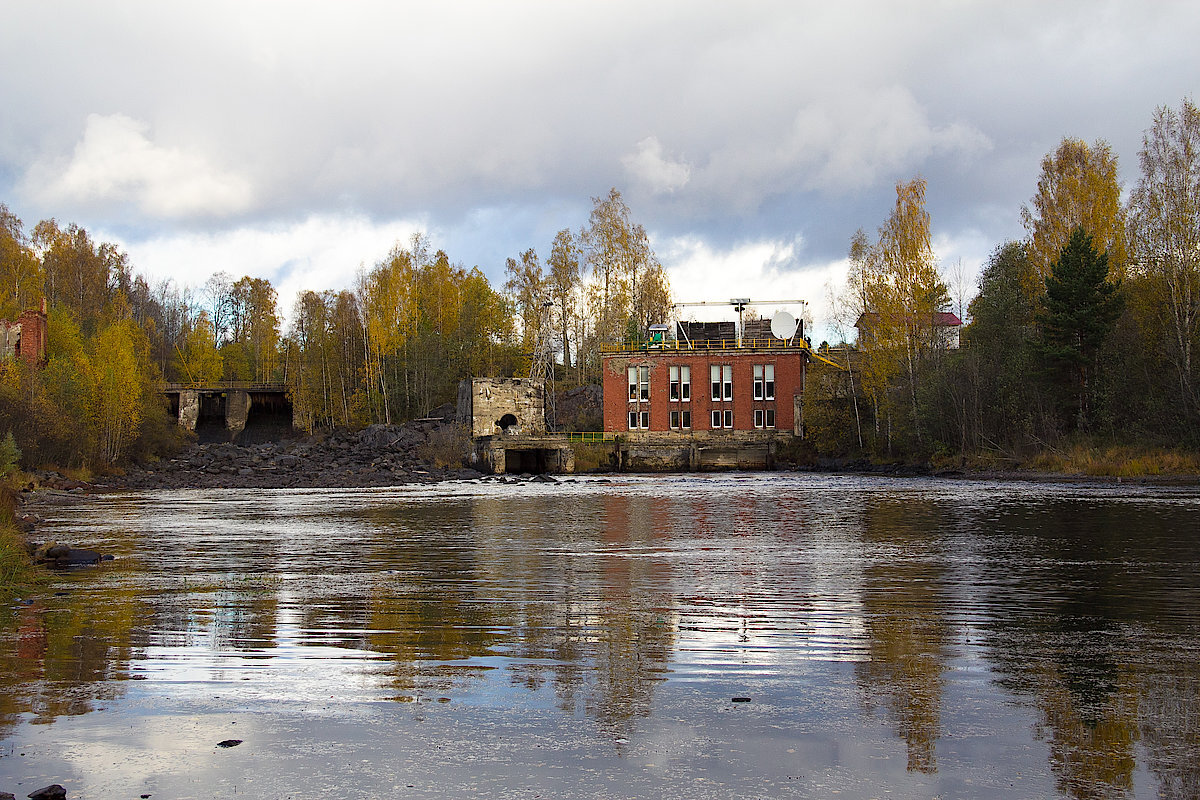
421, 451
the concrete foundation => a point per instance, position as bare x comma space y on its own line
237, 411
500, 455
189, 408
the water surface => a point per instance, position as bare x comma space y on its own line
882, 638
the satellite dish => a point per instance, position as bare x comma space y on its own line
783, 325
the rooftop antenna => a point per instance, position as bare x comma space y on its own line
784, 325
541, 366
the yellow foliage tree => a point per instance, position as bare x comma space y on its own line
1078, 187
199, 361
119, 388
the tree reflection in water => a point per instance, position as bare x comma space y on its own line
1081, 616
907, 621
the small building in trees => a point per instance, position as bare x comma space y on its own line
717, 398
26, 338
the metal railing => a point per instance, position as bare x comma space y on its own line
590, 436
706, 344
249, 386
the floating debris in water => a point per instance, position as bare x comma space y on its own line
229, 743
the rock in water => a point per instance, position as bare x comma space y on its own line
51, 792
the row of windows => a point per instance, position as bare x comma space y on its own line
682, 420
720, 376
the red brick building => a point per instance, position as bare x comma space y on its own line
706, 382
26, 338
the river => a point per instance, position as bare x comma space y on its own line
690, 636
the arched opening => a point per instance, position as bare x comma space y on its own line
507, 422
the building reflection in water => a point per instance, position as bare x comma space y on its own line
1081, 611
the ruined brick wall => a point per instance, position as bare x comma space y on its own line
25, 338
33, 336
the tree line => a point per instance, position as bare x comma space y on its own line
388, 349
1086, 329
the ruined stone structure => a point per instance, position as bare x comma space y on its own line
506, 418
229, 407
26, 338
502, 406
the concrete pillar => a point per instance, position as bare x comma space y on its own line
237, 411
189, 408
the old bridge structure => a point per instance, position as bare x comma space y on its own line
224, 410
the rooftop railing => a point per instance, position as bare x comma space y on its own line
707, 344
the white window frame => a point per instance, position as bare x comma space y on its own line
685, 384
727, 380
685, 421
769, 375
729, 418
714, 375
716, 419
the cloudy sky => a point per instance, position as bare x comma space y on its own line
297, 141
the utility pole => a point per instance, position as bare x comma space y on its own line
541, 366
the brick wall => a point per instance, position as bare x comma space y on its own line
789, 383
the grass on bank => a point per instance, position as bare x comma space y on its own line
1117, 461
16, 567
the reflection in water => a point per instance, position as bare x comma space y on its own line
1064, 622
906, 620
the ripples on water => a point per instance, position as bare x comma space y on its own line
901, 638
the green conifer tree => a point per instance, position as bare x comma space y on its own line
1078, 312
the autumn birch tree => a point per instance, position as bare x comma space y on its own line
1165, 232
1078, 187
903, 291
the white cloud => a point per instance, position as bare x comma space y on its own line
648, 166
766, 271
116, 161
320, 252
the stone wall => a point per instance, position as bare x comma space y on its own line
498, 406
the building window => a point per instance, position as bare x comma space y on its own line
639, 420
728, 418
721, 377
770, 418
716, 419
639, 384
681, 419
681, 383
764, 418
764, 381
674, 419
687, 418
